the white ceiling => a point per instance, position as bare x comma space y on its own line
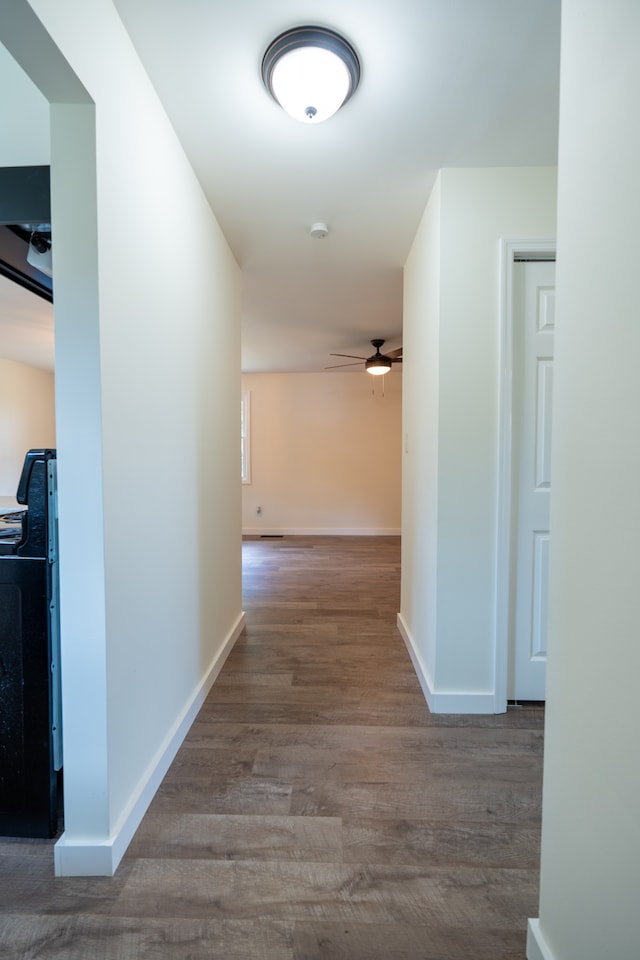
444, 83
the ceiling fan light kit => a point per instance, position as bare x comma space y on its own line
311, 72
377, 365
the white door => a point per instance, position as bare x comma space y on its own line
533, 332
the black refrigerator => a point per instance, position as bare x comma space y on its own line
30, 709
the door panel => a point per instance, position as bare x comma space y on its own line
534, 326
543, 424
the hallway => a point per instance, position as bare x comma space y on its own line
316, 808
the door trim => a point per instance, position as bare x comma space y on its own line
510, 252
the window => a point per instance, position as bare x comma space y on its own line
245, 436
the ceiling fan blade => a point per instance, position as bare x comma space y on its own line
351, 355
338, 366
394, 354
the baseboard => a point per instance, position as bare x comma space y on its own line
320, 532
443, 701
537, 947
85, 859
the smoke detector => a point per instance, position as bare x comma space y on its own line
319, 231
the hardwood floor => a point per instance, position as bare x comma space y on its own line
316, 810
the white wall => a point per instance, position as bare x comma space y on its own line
420, 406
27, 418
147, 438
451, 416
590, 873
325, 453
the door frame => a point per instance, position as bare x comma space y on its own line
511, 251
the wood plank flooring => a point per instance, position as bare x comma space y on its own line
316, 810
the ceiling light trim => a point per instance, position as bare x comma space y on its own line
313, 39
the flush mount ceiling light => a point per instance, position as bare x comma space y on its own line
311, 72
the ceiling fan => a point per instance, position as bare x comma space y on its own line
377, 364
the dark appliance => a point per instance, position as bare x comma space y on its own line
30, 713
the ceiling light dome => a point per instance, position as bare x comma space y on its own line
378, 365
311, 72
